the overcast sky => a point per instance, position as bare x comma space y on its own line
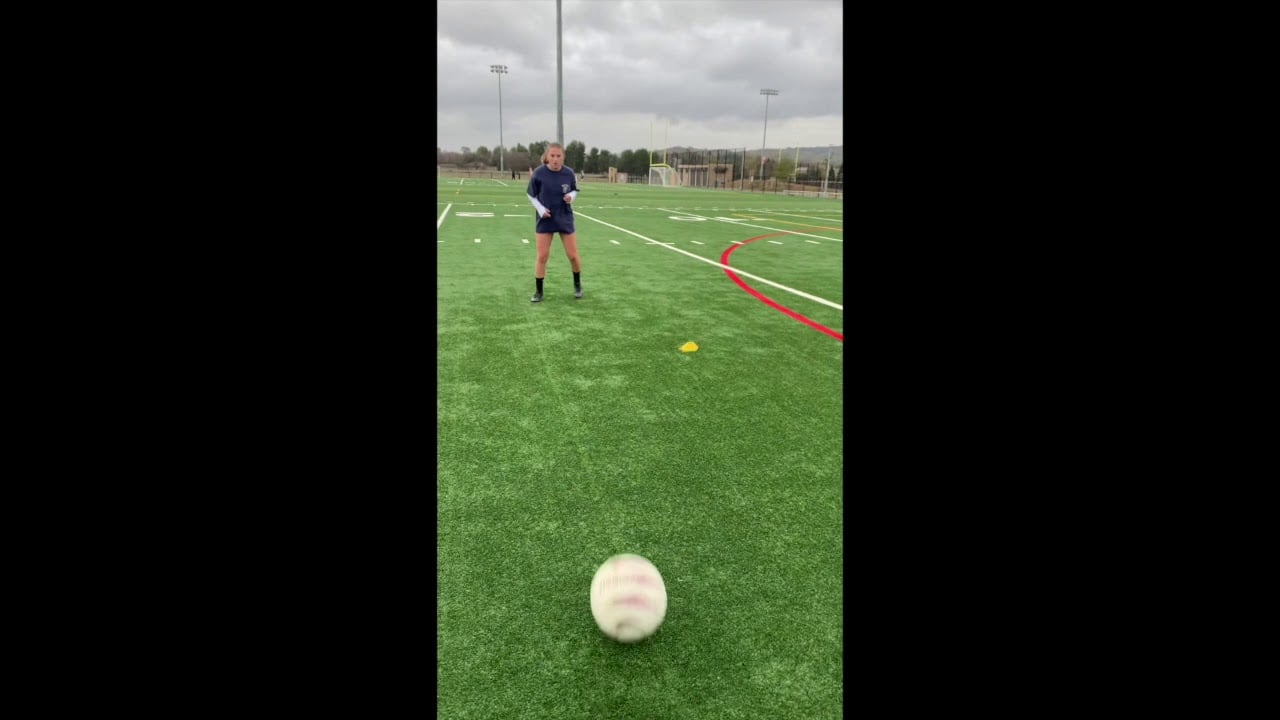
626, 64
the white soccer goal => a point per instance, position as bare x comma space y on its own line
664, 175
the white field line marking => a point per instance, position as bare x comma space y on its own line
695, 242
615, 242
762, 227
815, 242
439, 241
500, 183
733, 270
446, 212
524, 240
477, 239
775, 242
806, 217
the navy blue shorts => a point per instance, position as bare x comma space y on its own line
553, 224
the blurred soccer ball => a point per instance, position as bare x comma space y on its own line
628, 598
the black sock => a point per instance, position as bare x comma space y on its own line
539, 283
577, 279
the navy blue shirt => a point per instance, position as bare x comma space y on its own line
548, 188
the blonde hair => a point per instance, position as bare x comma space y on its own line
544, 152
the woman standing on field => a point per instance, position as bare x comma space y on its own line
552, 190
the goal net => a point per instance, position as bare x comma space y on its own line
662, 174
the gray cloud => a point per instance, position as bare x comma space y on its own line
700, 63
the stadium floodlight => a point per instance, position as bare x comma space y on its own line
500, 70
764, 145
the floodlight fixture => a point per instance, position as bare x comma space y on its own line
500, 70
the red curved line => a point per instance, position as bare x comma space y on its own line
724, 260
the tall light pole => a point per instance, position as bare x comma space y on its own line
559, 82
830, 149
764, 146
502, 150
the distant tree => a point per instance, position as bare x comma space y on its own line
466, 150
640, 161
521, 148
537, 148
483, 153
637, 163
783, 170
592, 165
519, 160
835, 171
575, 154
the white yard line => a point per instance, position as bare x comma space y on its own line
806, 217
744, 224
446, 212
733, 270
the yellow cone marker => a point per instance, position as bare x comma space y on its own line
689, 347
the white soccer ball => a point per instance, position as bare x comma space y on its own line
628, 598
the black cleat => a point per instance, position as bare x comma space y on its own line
537, 297
577, 291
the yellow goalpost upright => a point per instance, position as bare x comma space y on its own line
661, 173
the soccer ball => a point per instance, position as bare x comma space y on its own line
628, 598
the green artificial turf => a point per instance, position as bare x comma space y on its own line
573, 430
